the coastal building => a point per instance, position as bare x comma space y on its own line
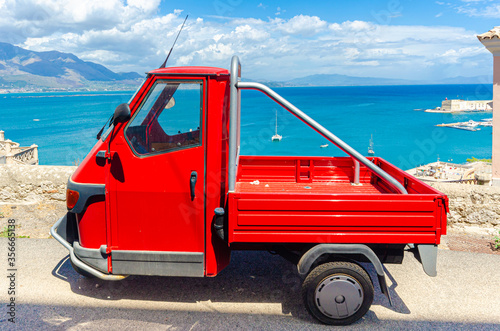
457, 105
491, 40
446, 172
12, 153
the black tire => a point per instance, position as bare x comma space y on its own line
337, 293
81, 271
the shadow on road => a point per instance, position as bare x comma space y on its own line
54, 317
252, 277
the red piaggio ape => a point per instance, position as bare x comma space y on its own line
165, 192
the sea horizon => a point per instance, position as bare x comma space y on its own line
8, 91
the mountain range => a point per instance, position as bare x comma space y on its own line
24, 68
344, 80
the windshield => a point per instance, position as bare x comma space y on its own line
168, 119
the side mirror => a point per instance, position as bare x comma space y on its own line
122, 113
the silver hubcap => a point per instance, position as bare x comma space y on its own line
338, 296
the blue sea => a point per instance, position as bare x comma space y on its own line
64, 125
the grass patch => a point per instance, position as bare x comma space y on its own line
496, 241
5, 233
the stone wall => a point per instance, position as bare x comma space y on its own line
35, 197
472, 205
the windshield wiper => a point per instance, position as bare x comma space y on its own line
102, 129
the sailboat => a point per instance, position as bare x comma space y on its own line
371, 152
276, 136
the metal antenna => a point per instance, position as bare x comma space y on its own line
164, 63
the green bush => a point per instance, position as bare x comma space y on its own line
496, 241
473, 159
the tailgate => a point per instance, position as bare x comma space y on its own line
293, 218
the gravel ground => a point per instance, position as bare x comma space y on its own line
257, 291
469, 240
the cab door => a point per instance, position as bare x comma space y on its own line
156, 186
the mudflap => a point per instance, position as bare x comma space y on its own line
428, 257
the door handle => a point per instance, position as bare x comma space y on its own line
192, 183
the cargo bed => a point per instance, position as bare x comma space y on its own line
314, 199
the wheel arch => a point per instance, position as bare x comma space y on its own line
308, 259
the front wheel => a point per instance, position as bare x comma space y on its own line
81, 271
337, 293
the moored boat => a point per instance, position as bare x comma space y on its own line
371, 152
276, 136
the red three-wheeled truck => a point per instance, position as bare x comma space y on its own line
165, 192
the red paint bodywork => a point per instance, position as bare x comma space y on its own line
92, 222
310, 200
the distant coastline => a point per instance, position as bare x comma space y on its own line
69, 90
132, 87
27, 71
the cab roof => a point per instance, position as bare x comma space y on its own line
191, 70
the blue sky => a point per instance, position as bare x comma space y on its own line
396, 12
276, 40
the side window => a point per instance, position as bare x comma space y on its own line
168, 119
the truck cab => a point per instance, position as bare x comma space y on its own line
165, 192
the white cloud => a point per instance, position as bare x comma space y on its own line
146, 6
351, 53
357, 26
301, 24
458, 55
492, 11
131, 35
247, 32
100, 56
478, 8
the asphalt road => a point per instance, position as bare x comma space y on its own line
257, 291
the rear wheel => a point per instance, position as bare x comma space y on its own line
338, 293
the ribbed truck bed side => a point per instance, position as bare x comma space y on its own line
328, 208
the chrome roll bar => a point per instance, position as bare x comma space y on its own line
235, 88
